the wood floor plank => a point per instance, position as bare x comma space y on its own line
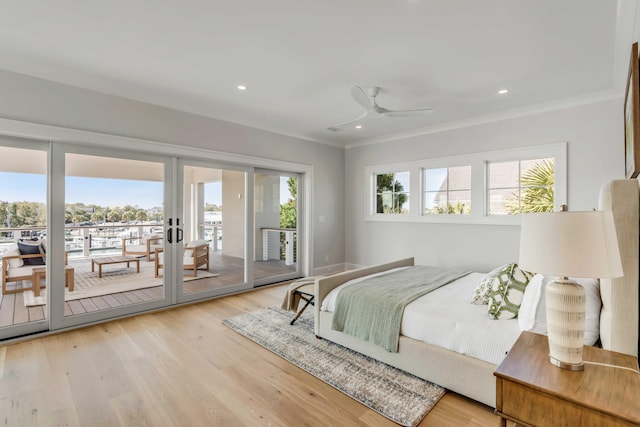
88, 305
21, 315
7, 309
76, 307
112, 301
100, 303
35, 313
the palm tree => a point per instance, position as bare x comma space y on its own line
389, 194
537, 190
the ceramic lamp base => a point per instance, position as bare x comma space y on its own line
566, 303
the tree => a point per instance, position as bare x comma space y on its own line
114, 215
128, 215
537, 194
389, 194
4, 210
97, 216
289, 210
292, 185
459, 208
141, 215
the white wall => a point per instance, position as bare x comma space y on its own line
40, 101
595, 154
233, 202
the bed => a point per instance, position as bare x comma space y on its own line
456, 363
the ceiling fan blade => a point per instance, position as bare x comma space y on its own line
361, 97
338, 127
405, 113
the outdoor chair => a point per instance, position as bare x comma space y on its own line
19, 261
196, 257
144, 245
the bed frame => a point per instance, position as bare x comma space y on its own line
473, 377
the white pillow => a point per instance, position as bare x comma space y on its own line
533, 310
194, 243
532, 315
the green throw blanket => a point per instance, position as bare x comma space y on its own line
372, 309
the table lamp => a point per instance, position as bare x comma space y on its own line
564, 244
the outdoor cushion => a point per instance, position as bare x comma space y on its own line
31, 249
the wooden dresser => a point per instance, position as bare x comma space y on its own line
532, 392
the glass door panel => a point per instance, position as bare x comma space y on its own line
114, 231
23, 223
214, 230
276, 215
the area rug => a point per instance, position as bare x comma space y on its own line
115, 279
395, 394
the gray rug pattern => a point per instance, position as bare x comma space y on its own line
395, 394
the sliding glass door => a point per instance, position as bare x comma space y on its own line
90, 233
212, 236
277, 226
114, 229
23, 224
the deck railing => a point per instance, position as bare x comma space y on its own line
85, 240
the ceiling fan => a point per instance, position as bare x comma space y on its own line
371, 107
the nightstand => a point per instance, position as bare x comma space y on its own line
532, 392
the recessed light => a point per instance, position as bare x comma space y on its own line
241, 87
503, 91
358, 126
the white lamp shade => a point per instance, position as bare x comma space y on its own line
577, 244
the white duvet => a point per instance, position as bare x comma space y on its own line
446, 318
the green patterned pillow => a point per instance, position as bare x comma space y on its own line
506, 293
482, 291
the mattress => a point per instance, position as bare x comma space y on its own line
446, 318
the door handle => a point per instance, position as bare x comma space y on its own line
170, 235
179, 234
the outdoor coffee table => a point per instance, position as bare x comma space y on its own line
113, 260
40, 273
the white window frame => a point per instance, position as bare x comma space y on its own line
479, 183
424, 168
372, 173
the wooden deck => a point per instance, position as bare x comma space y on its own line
229, 269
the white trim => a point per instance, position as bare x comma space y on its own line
477, 161
54, 133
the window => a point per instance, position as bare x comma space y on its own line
480, 188
392, 193
447, 191
521, 186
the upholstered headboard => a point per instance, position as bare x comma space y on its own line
619, 322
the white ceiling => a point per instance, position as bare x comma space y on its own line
299, 58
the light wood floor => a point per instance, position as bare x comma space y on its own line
182, 367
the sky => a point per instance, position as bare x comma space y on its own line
18, 187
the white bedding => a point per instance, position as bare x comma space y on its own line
446, 318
